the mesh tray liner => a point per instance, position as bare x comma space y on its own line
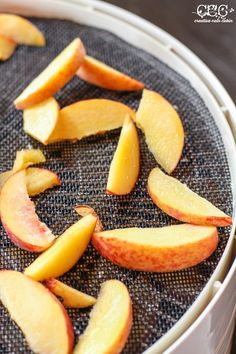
159, 300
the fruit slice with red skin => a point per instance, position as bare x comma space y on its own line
89, 117
19, 218
84, 210
54, 77
102, 75
41, 317
124, 168
163, 129
39, 180
110, 321
71, 297
20, 30
178, 201
27, 157
7, 47
164, 249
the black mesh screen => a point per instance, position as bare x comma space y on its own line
159, 300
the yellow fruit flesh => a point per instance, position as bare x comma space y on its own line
25, 158
7, 47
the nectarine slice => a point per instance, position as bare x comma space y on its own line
20, 30
164, 249
40, 119
110, 321
41, 317
19, 218
65, 252
39, 180
124, 168
27, 157
71, 297
178, 201
102, 75
84, 210
89, 117
163, 129
7, 47
4, 177
54, 77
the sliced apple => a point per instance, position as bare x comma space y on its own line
164, 249
4, 177
39, 180
89, 117
97, 73
19, 218
54, 77
20, 30
41, 119
7, 47
84, 210
178, 201
41, 317
110, 321
27, 157
124, 167
163, 129
71, 297
65, 252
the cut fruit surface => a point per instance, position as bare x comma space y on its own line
39, 180
84, 210
163, 129
4, 177
71, 297
40, 119
124, 168
20, 30
65, 252
27, 157
164, 249
7, 47
110, 321
89, 117
19, 218
178, 201
54, 77
102, 75
41, 317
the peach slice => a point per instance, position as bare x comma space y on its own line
65, 252
41, 119
163, 129
102, 75
54, 77
110, 321
19, 218
4, 177
89, 117
84, 210
27, 157
7, 47
41, 317
124, 169
178, 201
39, 180
71, 297
20, 30
164, 249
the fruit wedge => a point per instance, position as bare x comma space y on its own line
27, 157
71, 297
178, 201
163, 129
84, 210
41, 317
89, 117
39, 180
65, 252
20, 30
19, 218
164, 249
54, 77
97, 73
124, 167
7, 47
4, 177
110, 321
41, 119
